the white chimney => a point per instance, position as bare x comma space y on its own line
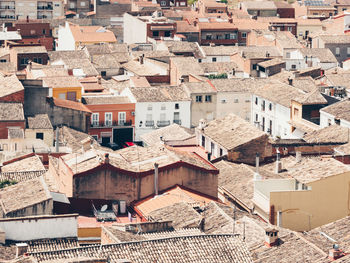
278, 162
21, 249
271, 237
257, 164
202, 124
156, 179
298, 156
279, 218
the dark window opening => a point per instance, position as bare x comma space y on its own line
39, 135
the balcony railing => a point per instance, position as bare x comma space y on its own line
163, 123
177, 122
7, 17
149, 124
111, 124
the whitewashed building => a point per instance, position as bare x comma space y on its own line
270, 108
307, 57
337, 113
157, 107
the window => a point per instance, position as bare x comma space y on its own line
235, 101
149, 107
207, 98
71, 5
296, 111
103, 73
270, 128
121, 118
37, 60
213, 59
2, 60
212, 147
199, 98
223, 101
337, 51
62, 96
149, 117
94, 119
244, 35
208, 37
247, 101
72, 95
233, 36
329, 122
227, 36
167, 34
39, 135
254, 66
32, 32
155, 33
162, 3
203, 141
162, 117
177, 106
270, 106
163, 107
24, 61
108, 118
95, 137
44, 31
290, 29
256, 100
82, 3
221, 152
57, 4
287, 54
348, 51
294, 66
199, 60
256, 117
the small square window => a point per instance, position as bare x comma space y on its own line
39, 135
199, 98
155, 33
213, 59
177, 106
103, 73
207, 98
244, 35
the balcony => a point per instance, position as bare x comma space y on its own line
111, 124
45, 6
163, 123
149, 124
177, 122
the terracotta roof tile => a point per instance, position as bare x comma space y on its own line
70, 105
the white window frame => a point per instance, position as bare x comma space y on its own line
337, 51
108, 118
121, 117
95, 119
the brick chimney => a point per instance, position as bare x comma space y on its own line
335, 253
271, 237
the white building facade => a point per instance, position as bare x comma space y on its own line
151, 115
271, 117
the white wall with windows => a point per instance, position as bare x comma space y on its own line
216, 150
271, 117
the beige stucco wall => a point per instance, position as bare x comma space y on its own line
301, 29
113, 185
327, 201
233, 102
203, 110
48, 135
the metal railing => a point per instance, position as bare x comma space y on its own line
163, 123
111, 123
149, 123
177, 122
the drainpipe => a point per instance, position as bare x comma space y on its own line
156, 179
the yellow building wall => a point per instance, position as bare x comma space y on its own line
57, 91
327, 201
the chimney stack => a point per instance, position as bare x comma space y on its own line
298, 156
156, 179
278, 162
257, 164
335, 253
195, 23
21, 249
106, 158
290, 81
271, 237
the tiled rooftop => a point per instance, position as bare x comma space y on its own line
39, 121
189, 249
340, 110
11, 111
231, 131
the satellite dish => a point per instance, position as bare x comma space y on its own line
104, 208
